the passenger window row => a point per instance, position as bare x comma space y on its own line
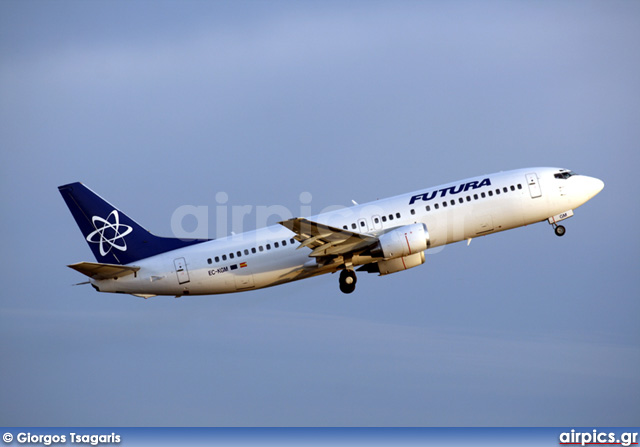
482, 195
376, 220
445, 204
253, 250
389, 217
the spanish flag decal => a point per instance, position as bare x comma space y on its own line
243, 265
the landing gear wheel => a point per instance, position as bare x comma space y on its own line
560, 230
348, 281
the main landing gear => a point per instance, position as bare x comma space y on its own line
559, 230
348, 281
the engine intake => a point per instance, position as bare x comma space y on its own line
403, 241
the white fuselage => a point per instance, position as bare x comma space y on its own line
269, 256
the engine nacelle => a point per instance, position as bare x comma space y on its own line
403, 241
399, 264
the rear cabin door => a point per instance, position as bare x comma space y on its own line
181, 270
534, 186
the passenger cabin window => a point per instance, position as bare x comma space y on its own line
519, 186
436, 206
261, 248
384, 218
428, 208
353, 226
284, 243
246, 251
253, 249
398, 215
217, 259
224, 257
268, 246
362, 223
376, 220
345, 227
239, 253
276, 245
230, 255
291, 240
513, 188
413, 211
504, 189
209, 261
390, 216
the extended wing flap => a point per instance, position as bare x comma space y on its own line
103, 271
325, 240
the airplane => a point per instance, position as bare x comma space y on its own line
385, 236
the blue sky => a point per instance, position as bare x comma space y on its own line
156, 105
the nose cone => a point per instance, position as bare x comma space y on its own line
579, 189
593, 186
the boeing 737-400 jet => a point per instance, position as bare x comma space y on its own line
384, 237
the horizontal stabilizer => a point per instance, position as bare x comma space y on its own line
103, 271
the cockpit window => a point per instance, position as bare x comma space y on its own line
564, 174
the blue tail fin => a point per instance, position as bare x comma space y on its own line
113, 237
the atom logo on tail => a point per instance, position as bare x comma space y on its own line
114, 238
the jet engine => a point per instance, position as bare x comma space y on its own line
399, 264
402, 241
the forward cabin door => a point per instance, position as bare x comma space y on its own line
534, 186
181, 270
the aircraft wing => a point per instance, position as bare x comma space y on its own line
103, 271
325, 240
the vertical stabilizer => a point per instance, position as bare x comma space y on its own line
113, 236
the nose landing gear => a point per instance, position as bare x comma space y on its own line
559, 230
348, 281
